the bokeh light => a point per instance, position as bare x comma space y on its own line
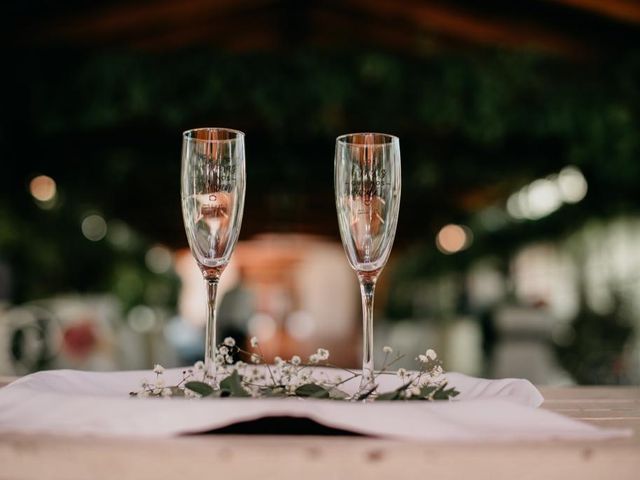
453, 238
94, 227
544, 196
572, 184
263, 326
141, 318
43, 189
159, 259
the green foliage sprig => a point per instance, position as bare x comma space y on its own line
295, 378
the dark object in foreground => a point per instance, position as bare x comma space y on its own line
281, 426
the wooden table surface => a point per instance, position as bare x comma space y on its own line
353, 458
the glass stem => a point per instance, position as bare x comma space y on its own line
367, 290
210, 346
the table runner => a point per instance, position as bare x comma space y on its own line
73, 402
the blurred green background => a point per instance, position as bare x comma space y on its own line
485, 99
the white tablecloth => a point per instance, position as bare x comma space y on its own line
73, 402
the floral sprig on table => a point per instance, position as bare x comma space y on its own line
295, 378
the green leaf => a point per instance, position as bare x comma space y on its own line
392, 395
444, 393
312, 390
232, 385
269, 392
367, 393
427, 390
337, 394
200, 388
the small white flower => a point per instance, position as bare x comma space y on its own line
160, 383
407, 393
296, 360
223, 350
431, 354
401, 372
166, 392
219, 359
314, 358
278, 361
199, 365
423, 358
414, 391
229, 342
143, 394
229, 360
322, 353
190, 393
255, 358
158, 369
387, 349
254, 342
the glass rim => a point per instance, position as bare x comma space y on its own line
186, 134
388, 139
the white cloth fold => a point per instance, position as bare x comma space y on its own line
73, 402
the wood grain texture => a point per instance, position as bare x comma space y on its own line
282, 457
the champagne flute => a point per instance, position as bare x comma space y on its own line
213, 188
367, 186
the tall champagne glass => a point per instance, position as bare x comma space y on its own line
367, 186
213, 187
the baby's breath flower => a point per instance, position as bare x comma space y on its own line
190, 393
322, 353
286, 376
